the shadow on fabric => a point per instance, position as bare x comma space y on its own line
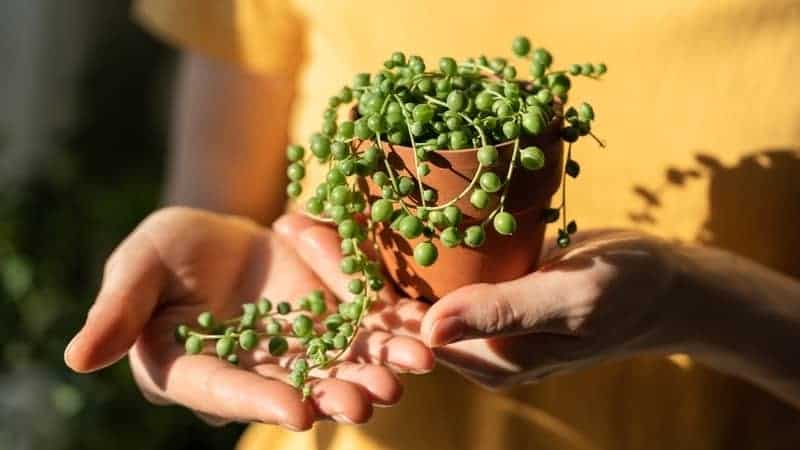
754, 211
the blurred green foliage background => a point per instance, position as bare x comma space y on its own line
102, 176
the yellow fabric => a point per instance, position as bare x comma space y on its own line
702, 117
240, 31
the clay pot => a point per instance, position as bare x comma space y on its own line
501, 258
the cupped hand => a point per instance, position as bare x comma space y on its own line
180, 262
607, 296
398, 317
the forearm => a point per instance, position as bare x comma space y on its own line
749, 321
228, 138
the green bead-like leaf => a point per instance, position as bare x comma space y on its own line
225, 346
572, 168
193, 345
278, 346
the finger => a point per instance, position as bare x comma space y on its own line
532, 303
403, 317
331, 397
142, 374
320, 248
402, 353
341, 400
212, 386
379, 382
287, 228
214, 421
290, 225
474, 360
131, 287
497, 362
551, 251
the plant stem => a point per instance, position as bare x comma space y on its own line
564, 191
479, 67
598, 140
392, 179
414, 149
236, 335
316, 217
435, 100
511, 165
475, 177
364, 308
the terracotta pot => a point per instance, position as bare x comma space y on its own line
501, 258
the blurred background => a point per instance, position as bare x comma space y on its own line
83, 113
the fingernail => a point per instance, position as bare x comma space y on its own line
403, 370
69, 347
290, 427
289, 227
445, 331
395, 368
342, 418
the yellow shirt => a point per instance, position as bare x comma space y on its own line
702, 116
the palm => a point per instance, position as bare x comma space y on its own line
192, 262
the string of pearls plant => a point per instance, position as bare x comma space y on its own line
478, 103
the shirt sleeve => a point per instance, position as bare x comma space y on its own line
258, 35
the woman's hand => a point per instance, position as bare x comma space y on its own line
180, 262
319, 246
615, 294
605, 297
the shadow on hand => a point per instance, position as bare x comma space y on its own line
754, 211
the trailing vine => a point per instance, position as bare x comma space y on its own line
479, 103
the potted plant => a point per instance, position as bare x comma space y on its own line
446, 176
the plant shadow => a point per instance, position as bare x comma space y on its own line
753, 211
753, 205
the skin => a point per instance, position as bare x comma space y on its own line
611, 295
180, 262
618, 294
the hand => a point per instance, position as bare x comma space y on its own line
610, 295
319, 246
604, 297
180, 262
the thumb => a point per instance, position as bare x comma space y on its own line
490, 310
319, 245
290, 225
132, 284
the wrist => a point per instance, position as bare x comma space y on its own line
710, 308
741, 318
